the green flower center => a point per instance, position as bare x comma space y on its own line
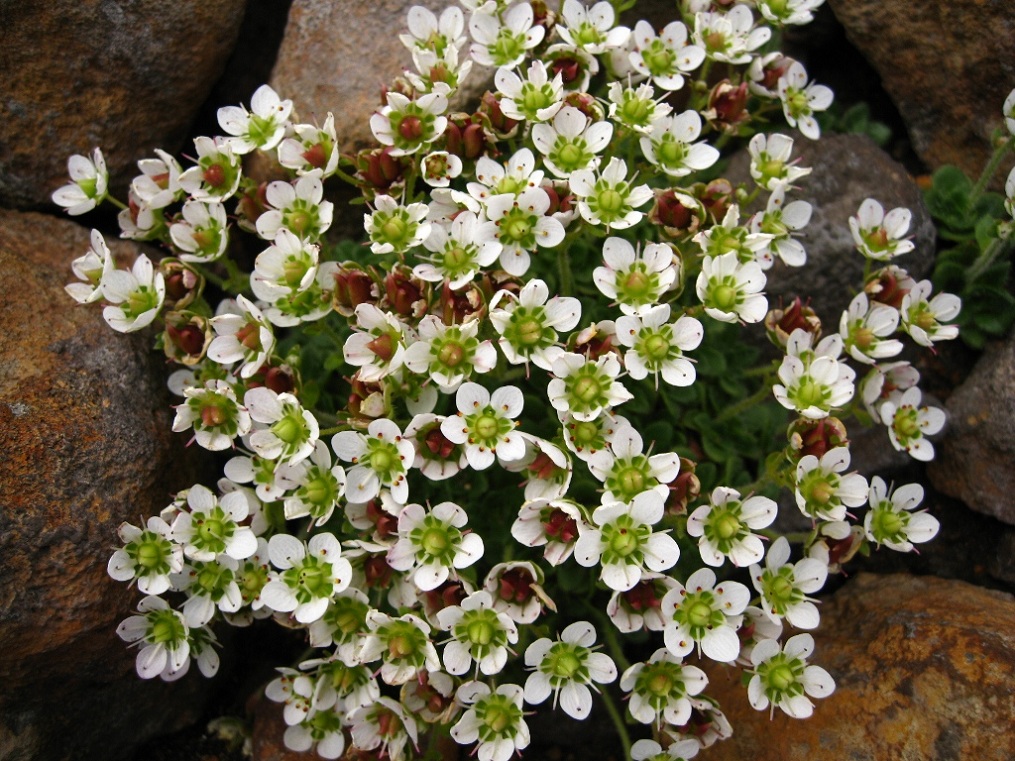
311, 580
636, 111
507, 48
888, 524
670, 152
535, 98
724, 297
809, 393
568, 155
291, 428
166, 627
498, 717
659, 59
906, 423
780, 590
151, 552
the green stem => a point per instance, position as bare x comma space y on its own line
618, 722
564, 267
209, 276
745, 404
985, 259
116, 202
989, 171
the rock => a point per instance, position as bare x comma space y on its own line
847, 170
923, 670
976, 462
124, 77
947, 66
86, 441
322, 71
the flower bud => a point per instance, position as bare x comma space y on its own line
503, 126
353, 287
727, 106
780, 323
684, 489
889, 286
405, 294
457, 307
815, 437
186, 337
183, 285
679, 214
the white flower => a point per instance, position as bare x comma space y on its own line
770, 164
522, 225
378, 349
704, 614
286, 267
813, 381
650, 750
625, 472
922, 316
217, 174
586, 388
536, 98
513, 177
91, 269
639, 607
661, 688
244, 336
88, 186
609, 199
261, 128
516, 590
528, 323
211, 527
431, 544
437, 458
800, 100
291, 432
571, 142
881, 236
449, 354
636, 108
891, 520
158, 185
214, 413
409, 126
439, 168
136, 296
460, 250
322, 730
886, 382
211, 586
310, 575
788, 12
783, 679
657, 347
784, 587
480, 633
865, 328
427, 32
908, 423
494, 719
670, 145
386, 725
724, 527
636, 281
149, 555
504, 41
730, 237
202, 236
731, 291
566, 667
821, 492
162, 635
394, 228
664, 57
485, 424
730, 36
1008, 111
625, 544
311, 148
780, 222
300, 209
1009, 191
586, 437
404, 645
381, 458
553, 524
591, 29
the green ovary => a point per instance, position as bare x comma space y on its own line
888, 524
724, 298
658, 59
291, 428
906, 423
166, 628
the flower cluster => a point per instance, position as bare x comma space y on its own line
544, 289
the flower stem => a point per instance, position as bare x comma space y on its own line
618, 722
985, 259
989, 171
745, 404
564, 268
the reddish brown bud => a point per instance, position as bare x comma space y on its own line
316, 155
780, 323
815, 437
281, 380
727, 105
561, 526
214, 176
516, 586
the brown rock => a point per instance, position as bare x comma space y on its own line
946, 66
976, 462
124, 77
86, 441
923, 670
321, 71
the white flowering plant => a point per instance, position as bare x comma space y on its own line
513, 446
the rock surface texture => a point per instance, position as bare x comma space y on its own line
86, 441
923, 670
126, 77
977, 459
946, 66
